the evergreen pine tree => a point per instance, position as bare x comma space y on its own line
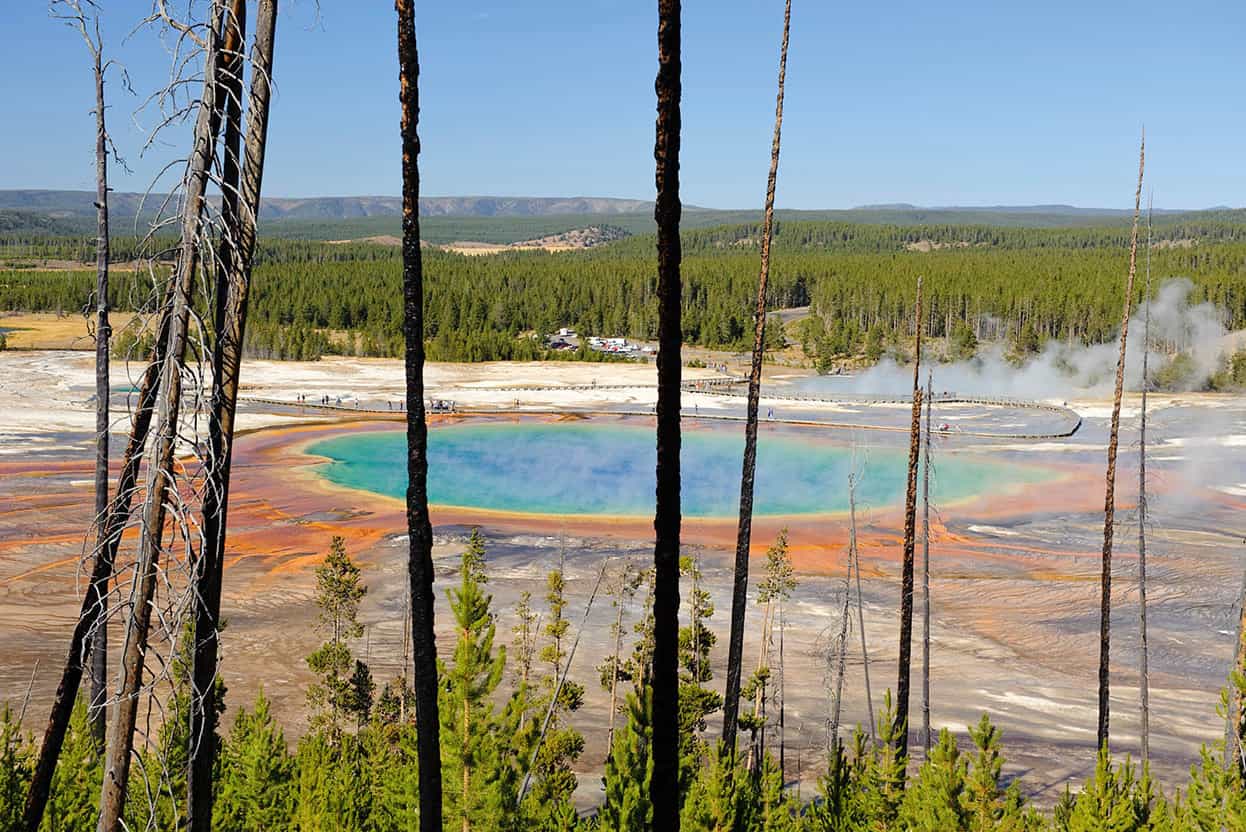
640, 664
614, 670
1215, 799
554, 780
395, 702
1108, 801
991, 807
874, 344
696, 640
394, 763
778, 581
16, 765
963, 342
628, 769
257, 783
881, 780
338, 593
775, 808
719, 796
839, 808
934, 802
472, 752
160, 800
525, 639
1063, 810
334, 779
74, 798
362, 693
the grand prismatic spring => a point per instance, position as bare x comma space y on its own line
587, 468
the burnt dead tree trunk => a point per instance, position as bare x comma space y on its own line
89, 636
1144, 680
420, 572
664, 783
927, 740
739, 591
206, 576
241, 213
160, 479
910, 528
103, 335
1109, 498
855, 552
93, 609
841, 657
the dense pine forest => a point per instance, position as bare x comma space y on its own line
509, 745
1022, 285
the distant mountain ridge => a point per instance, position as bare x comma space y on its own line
1052, 209
65, 204
504, 220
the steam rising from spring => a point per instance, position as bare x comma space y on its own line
1177, 327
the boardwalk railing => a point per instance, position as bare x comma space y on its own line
1074, 420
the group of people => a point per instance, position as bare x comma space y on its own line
434, 405
324, 400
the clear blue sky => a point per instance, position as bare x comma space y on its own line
933, 103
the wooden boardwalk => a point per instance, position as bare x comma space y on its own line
1074, 421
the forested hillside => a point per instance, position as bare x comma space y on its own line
510, 219
1018, 284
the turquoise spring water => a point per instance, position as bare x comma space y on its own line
587, 468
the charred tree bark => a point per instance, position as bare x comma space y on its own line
1144, 679
419, 526
103, 335
241, 213
160, 464
926, 738
744, 531
1109, 498
233, 40
664, 783
910, 528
